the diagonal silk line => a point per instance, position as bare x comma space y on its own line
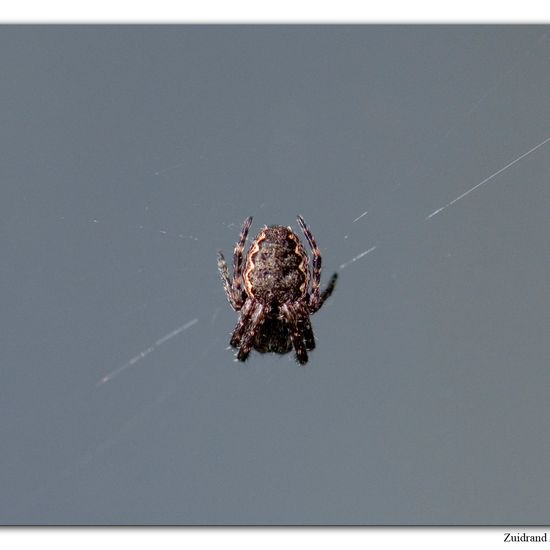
510, 164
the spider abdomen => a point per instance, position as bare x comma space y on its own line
276, 268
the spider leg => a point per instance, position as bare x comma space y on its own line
233, 288
242, 324
317, 261
325, 294
256, 320
309, 338
224, 274
274, 336
291, 317
316, 298
238, 260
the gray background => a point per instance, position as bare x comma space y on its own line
130, 155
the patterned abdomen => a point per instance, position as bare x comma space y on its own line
276, 268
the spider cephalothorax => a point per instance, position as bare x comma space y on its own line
275, 291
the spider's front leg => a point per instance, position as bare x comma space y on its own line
307, 330
296, 335
242, 324
257, 319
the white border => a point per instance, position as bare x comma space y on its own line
282, 11
265, 538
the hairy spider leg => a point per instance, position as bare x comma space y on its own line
242, 324
317, 261
316, 299
238, 262
309, 338
224, 274
296, 336
258, 317
327, 292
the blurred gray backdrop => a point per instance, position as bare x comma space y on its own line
130, 154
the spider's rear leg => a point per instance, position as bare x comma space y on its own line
227, 286
238, 258
233, 288
315, 306
316, 298
316, 260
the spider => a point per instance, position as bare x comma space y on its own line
272, 291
